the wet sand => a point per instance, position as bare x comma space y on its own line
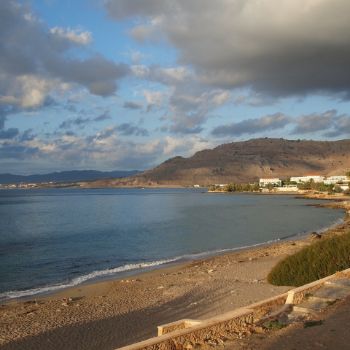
107, 315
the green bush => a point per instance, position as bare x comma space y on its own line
235, 187
316, 186
316, 261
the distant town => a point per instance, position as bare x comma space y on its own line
24, 186
335, 183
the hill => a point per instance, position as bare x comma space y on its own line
65, 176
247, 161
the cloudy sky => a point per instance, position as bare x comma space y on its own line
126, 84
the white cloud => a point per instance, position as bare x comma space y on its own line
76, 36
153, 98
220, 98
274, 47
141, 32
184, 146
30, 91
140, 71
33, 90
165, 75
35, 61
149, 30
190, 109
175, 74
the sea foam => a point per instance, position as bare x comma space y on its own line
81, 279
100, 274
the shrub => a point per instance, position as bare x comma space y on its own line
316, 261
235, 187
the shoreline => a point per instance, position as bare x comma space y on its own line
130, 274
195, 289
136, 269
138, 272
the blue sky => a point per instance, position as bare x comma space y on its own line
120, 84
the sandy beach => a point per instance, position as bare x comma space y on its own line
107, 315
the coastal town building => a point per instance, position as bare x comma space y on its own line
344, 187
332, 180
270, 181
341, 182
287, 188
303, 179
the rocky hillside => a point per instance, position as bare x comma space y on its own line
246, 162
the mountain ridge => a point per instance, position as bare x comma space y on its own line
246, 161
65, 176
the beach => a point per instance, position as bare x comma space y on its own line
110, 314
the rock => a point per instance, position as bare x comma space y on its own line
259, 330
316, 235
211, 342
220, 342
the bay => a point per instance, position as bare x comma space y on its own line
50, 239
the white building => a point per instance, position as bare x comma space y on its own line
332, 180
270, 181
302, 179
344, 187
288, 188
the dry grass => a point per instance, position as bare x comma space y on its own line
316, 261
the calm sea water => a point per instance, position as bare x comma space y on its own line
55, 238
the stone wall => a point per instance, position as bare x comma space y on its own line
186, 334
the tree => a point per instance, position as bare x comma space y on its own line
270, 186
337, 189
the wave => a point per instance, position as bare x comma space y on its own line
144, 265
79, 280
17, 294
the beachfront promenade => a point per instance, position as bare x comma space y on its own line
298, 304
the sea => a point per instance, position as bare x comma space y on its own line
52, 239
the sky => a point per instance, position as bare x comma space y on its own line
127, 84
